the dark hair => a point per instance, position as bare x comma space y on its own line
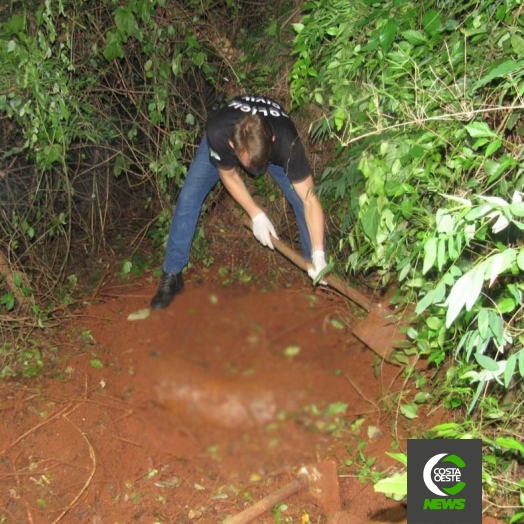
252, 133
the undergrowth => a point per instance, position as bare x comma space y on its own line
418, 105
102, 105
425, 104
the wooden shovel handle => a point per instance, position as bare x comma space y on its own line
268, 502
349, 292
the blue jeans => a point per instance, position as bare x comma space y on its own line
200, 179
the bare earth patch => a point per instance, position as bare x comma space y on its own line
196, 412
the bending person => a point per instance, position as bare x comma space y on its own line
249, 135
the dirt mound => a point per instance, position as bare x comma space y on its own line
194, 412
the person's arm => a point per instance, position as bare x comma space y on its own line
262, 226
313, 212
314, 216
237, 189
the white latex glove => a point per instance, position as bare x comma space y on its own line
263, 229
318, 259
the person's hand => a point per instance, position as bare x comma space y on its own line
318, 259
263, 229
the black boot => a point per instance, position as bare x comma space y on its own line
170, 285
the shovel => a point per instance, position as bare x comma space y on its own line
321, 482
380, 330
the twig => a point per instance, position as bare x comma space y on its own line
91, 475
419, 121
127, 441
120, 295
101, 281
357, 389
38, 426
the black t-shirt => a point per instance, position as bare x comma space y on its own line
287, 149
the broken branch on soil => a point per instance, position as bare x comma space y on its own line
91, 475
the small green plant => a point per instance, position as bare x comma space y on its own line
135, 266
96, 363
330, 419
279, 513
396, 485
26, 359
362, 466
237, 274
87, 337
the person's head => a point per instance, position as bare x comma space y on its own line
252, 139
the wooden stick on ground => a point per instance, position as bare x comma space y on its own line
268, 502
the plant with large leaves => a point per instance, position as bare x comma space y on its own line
424, 102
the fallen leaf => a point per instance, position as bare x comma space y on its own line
374, 432
141, 314
173, 482
292, 351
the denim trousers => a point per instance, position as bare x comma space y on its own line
200, 179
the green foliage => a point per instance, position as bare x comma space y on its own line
119, 92
423, 103
396, 485
433, 119
70, 77
500, 454
94, 101
471, 296
27, 361
36, 84
101, 110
